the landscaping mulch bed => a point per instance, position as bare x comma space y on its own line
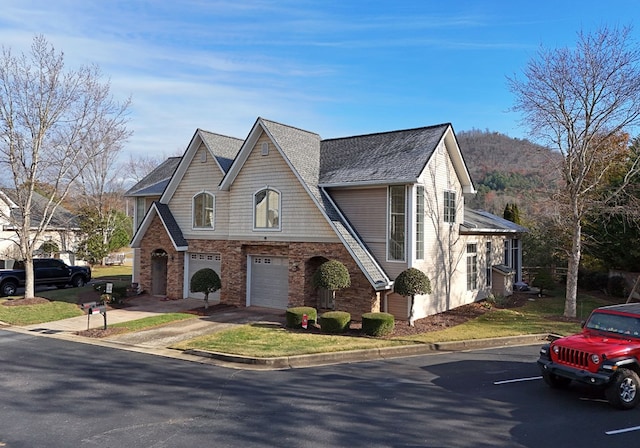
24, 302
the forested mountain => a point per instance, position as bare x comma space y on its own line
508, 170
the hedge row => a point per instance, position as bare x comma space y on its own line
336, 322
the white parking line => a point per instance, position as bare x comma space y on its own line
517, 380
620, 431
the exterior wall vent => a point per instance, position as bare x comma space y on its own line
265, 148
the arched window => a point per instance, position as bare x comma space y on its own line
266, 209
203, 217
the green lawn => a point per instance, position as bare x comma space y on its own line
35, 314
63, 302
264, 342
539, 315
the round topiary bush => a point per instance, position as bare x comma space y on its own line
294, 316
335, 321
332, 275
377, 324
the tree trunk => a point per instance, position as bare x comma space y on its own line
572, 271
412, 312
29, 285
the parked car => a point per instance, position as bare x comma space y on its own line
606, 354
47, 272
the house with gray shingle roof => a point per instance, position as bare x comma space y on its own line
63, 230
266, 211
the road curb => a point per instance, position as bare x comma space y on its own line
318, 359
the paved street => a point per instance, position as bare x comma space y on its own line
58, 393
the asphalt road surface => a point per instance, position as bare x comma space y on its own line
56, 393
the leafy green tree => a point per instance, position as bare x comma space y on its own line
512, 213
412, 282
206, 281
103, 233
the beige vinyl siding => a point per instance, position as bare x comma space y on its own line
444, 248
200, 176
399, 306
300, 219
366, 210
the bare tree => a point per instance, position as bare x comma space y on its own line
52, 123
579, 101
136, 168
100, 186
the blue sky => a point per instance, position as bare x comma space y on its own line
337, 68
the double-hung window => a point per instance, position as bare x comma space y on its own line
450, 206
397, 223
266, 214
472, 267
203, 206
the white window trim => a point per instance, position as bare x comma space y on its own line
455, 206
253, 208
475, 255
414, 231
193, 211
406, 226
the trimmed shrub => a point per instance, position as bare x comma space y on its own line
411, 282
205, 281
332, 275
294, 316
377, 324
335, 321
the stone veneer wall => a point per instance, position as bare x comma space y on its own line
359, 298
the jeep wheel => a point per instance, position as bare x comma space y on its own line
9, 288
624, 390
78, 281
555, 381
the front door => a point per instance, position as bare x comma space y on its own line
159, 273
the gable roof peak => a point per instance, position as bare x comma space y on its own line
268, 122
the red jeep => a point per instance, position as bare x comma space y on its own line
605, 354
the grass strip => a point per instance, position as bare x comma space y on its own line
35, 314
153, 321
266, 341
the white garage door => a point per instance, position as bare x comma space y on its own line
269, 284
202, 261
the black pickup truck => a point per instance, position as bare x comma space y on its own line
47, 271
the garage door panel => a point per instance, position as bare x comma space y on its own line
203, 261
269, 284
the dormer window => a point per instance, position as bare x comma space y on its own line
203, 207
266, 209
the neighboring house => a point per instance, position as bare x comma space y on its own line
63, 230
266, 211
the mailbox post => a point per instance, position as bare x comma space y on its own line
94, 308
